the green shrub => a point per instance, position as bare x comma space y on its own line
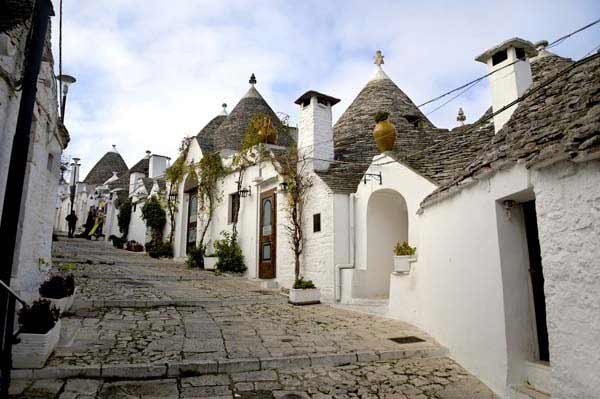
381, 116
195, 257
404, 249
159, 250
229, 252
39, 318
124, 217
118, 242
155, 217
301, 284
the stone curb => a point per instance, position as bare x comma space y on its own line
189, 368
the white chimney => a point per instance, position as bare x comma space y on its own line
157, 165
511, 58
315, 130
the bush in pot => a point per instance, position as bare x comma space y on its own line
229, 252
403, 253
60, 291
39, 331
304, 292
159, 250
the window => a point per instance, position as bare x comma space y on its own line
316, 223
499, 57
234, 206
520, 53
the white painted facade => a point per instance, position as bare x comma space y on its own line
33, 251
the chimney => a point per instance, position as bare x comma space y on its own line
75, 171
511, 60
157, 165
315, 130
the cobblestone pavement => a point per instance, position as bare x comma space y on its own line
413, 379
192, 333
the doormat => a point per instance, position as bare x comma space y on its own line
407, 340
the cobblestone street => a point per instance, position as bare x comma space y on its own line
147, 328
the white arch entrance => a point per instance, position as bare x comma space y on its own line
387, 224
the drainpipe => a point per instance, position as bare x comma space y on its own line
337, 274
11, 211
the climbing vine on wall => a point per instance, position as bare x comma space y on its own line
175, 174
210, 172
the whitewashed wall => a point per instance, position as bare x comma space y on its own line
396, 178
34, 241
137, 226
568, 207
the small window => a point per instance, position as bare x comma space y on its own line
499, 57
50, 163
234, 207
520, 53
316, 223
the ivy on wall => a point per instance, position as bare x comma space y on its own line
124, 217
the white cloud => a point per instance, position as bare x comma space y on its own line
151, 72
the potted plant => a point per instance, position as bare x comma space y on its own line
403, 255
210, 262
384, 132
60, 291
39, 331
304, 292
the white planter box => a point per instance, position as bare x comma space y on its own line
305, 297
210, 262
34, 349
402, 263
63, 304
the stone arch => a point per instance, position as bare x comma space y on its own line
387, 223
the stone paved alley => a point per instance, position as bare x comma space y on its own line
147, 328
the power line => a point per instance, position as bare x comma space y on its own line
562, 38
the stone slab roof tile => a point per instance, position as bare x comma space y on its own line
142, 166
557, 122
104, 168
206, 136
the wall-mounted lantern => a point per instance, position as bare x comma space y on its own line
246, 192
283, 186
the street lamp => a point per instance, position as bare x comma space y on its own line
66, 81
74, 178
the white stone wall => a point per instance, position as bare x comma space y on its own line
137, 226
33, 252
568, 208
315, 133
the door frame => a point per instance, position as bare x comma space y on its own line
190, 194
263, 195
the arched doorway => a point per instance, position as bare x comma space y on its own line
190, 189
387, 224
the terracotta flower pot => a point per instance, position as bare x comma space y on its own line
385, 135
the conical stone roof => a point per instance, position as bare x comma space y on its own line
353, 132
206, 136
104, 168
230, 134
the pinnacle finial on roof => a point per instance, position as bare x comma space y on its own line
252, 80
224, 105
461, 118
114, 146
378, 59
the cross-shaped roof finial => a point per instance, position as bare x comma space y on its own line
252, 80
378, 58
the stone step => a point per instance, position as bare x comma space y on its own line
201, 367
526, 391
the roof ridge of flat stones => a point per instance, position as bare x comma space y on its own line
104, 168
561, 121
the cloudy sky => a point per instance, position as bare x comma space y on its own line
151, 72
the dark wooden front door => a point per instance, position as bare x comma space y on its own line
192, 220
537, 278
267, 235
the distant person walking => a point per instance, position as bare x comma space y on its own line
72, 223
89, 222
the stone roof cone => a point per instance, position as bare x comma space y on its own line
231, 132
103, 169
353, 132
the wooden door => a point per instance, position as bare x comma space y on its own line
537, 279
192, 220
267, 235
